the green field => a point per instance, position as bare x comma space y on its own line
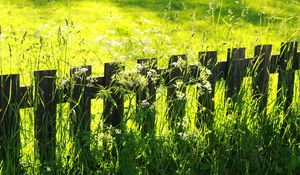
74, 33
46, 34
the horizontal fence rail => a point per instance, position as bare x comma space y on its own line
45, 94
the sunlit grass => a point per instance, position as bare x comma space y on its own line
38, 34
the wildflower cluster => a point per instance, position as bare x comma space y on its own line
179, 86
80, 72
135, 79
202, 83
108, 137
137, 45
131, 81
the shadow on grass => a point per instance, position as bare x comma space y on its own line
40, 3
187, 7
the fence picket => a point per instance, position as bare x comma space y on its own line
114, 106
145, 98
209, 60
286, 73
80, 105
10, 123
45, 116
236, 70
260, 82
176, 93
43, 96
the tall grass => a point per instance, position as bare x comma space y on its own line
240, 140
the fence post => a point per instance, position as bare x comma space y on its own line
236, 70
145, 98
206, 104
287, 60
176, 96
286, 78
260, 82
45, 116
80, 105
114, 106
9, 123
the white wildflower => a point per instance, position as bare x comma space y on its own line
83, 70
182, 135
198, 85
118, 131
112, 32
115, 55
179, 84
207, 86
208, 72
173, 51
137, 31
175, 64
145, 104
116, 44
147, 21
48, 169
180, 95
64, 82
2, 37
182, 63
148, 50
123, 57
139, 66
151, 73
145, 40
99, 38
167, 38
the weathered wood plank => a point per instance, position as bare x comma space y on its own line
10, 123
176, 96
205, 98
113, 106
146, 97
260, 83
45, 116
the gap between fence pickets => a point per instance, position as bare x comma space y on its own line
26, 94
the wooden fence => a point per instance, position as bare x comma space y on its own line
44, 95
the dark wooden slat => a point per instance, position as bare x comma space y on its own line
236, 71
63, 94
286, 73
273, 63
192, 74
94, 85
260, 83
208, 59
9, 123
222, 70
80, 104
146, 97
114, 106
161, 70
176, 104
45, 116
162, 75
205, 101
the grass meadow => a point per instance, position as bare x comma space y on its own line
48, 34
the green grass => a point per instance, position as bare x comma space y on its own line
43, 34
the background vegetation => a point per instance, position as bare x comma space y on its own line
45, 34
